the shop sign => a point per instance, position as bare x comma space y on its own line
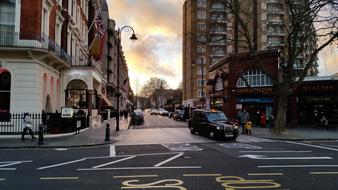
318, 87
67, 112
254, 100
249, 90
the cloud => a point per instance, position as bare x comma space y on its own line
158, 26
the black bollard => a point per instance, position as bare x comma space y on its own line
107, 132
40, 142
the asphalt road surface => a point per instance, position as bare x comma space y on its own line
247, 163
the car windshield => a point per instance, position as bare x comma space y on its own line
216, 116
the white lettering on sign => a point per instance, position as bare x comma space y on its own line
239, 146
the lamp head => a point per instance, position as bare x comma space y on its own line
133, 37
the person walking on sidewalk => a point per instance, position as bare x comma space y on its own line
27, 121
271, 122
248, 126
244, 118
324, 122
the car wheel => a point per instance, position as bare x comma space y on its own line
212, 135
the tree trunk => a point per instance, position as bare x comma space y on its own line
280, 122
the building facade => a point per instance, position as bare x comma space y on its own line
212, 31
45, 52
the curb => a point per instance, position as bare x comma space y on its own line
47, 147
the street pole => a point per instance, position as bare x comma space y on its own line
118, 81
133, 37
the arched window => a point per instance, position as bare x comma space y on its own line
255, 78
5, 90
76, 94
219, 84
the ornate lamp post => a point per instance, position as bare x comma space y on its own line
133, 37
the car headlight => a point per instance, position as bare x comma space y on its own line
219, 128
235, 126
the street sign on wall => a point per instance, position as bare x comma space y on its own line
67, 112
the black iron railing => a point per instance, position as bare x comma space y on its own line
12, 123
41, 41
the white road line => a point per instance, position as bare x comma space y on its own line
264, 174
324, 173
11, 163
329, 145
112, 151
298, 166
59, 178
316, 146
134, 176
113, 162
141, 168
254, 151
168, 160
149, 154
61, 164
7, 169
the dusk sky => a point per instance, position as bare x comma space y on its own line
158, 50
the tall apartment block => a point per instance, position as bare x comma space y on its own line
212, 32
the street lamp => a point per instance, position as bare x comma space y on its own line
133, 37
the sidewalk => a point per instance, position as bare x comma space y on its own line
297, 133
87, 137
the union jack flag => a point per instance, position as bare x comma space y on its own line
99, 24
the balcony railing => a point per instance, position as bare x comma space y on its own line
40, 41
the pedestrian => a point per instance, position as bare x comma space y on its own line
248, 126
258, 118
27, 122
239, 117
244, 118
324, 122
271, 122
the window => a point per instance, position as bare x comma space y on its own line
255, 78
202, 3
199, 71
201, 93
201, 26
5, 90
200, 82
201, 60
219, 84
76, 94
201, 38
201, 15
201, 49
7, 17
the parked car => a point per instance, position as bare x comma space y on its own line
154, 112
214, 124
163, 112
179, 115
137, 117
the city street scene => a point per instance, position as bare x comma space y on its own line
169, 94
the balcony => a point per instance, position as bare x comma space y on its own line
38, 41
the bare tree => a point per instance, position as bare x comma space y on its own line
152, 88
307, 21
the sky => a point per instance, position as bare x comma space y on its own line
158, 50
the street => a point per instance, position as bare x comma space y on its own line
162, 154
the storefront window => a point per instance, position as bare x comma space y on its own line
76, 95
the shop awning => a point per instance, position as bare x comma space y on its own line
105, 101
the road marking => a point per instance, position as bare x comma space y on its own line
264, 174
140, 168
148, 154
168, 160
316, 146
298, 166
61, 164
182, 147
11, 163
112, 151
161, 184
59, 178
113, 162
134, 176
2, 179
201, 175
262, 157
239, 146
61, 149
329, 145
253, 151
324, 173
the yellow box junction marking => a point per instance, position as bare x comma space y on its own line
161, 184
59, 178
235, 182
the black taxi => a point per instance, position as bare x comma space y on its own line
212, 123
